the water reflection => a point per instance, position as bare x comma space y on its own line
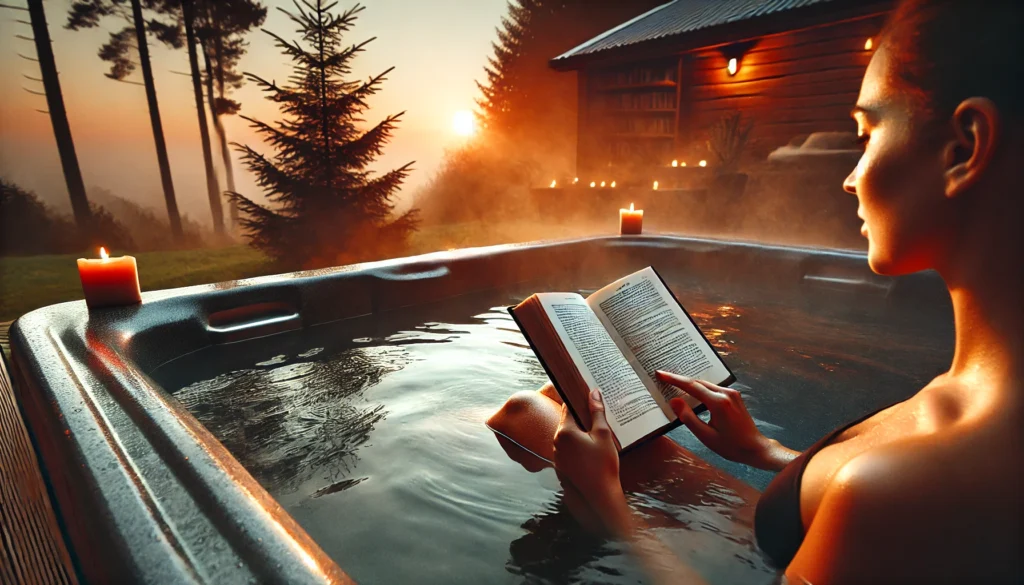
287, 418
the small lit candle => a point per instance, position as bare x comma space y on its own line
602, 183
613, 184
109, 282
868, 44
592, 184
575, 180
631, 221
703, 163
675, 163
554, 183
655, 185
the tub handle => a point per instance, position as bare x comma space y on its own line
251, 321
427, 274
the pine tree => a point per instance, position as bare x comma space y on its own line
327, 207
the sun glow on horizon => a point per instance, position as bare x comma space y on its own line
463, 123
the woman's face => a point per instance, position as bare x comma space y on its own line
899, 180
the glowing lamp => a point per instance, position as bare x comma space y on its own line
868, 44
592, 184
554, 183
733, 66
655, 185
675, 163
703, 163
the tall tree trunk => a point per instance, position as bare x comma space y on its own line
154, 119
188, 9
222, 137
59, 118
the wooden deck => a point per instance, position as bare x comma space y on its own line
32, 550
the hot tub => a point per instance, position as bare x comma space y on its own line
319, 426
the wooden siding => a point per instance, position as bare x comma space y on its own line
788, 84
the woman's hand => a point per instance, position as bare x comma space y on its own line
731, 432
589, 463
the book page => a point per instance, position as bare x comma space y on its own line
631, 410
657, 332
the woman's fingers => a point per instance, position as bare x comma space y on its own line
704, 432
690, 386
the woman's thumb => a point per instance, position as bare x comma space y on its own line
700, 429
597, 416
682, 410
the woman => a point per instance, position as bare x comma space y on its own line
927, 490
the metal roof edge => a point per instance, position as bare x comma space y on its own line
613, 30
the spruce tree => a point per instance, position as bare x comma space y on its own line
327, 207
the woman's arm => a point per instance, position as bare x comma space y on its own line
588, 468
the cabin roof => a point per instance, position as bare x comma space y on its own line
676, 18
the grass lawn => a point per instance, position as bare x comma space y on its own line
30, 282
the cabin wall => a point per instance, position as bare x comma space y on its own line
788, 85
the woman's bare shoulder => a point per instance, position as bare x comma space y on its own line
928, 508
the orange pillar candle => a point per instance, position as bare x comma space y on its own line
109, 282
631, 221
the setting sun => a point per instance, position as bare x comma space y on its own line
463, 123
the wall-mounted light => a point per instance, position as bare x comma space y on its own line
554, 183
675, 163
733, 66
868, 44
703, 163
655, 185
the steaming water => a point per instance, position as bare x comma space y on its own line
370, 432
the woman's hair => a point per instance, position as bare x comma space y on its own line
945, 51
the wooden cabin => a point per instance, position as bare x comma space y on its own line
651, 88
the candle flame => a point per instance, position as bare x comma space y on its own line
602, 183
868, 44
554, 184
103, 253
655, 185
593, 184
613, 184
684, 164
576, 180
733, 66
631, 207
703, 163
675, 163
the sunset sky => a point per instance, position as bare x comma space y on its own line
438, 49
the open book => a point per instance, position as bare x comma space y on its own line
615, 340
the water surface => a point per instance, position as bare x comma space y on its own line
370, 432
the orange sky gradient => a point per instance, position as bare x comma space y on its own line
438, 49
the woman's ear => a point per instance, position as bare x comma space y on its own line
975, 136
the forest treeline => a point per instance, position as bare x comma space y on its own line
526, 111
